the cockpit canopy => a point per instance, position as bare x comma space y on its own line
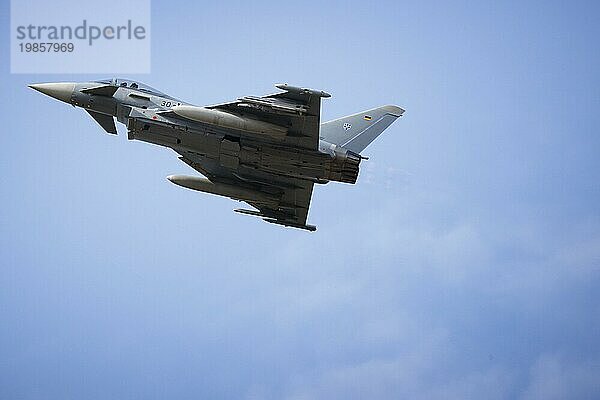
132, 85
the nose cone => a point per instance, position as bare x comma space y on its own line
59, 90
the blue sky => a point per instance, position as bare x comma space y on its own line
464, 264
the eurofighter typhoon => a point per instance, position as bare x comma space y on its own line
267, 151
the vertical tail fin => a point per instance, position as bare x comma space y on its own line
355, 132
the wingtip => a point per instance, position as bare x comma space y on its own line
394, 110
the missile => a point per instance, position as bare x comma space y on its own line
222, 189
303, 91
272, 220
229, 120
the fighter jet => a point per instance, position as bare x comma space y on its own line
267, 151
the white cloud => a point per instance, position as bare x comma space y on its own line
420, 373
397, 351
553, 377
